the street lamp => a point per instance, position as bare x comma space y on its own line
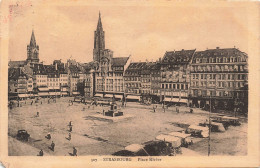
209, 126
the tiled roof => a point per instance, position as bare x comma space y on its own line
15, 64
119, 61
223, 52
136, 66
74, 69
38, 69
178, 57
15, 73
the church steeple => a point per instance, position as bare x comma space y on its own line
33, 41
99, 25
99, 41
33, 50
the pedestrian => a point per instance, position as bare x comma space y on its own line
37, 114
70, 123
31, 102
48, 136
48, 101
191, 110
52, 146
69, 138
41, 102
70, 128
75, 151
40, 153
103, 112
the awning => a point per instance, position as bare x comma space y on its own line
175, 141
169, 99
200, 128
133, 97
183, 100
179, 134
54, 93
43, 94
43, 89
119, 96
75, 93
134, 147
22, 95
64, 93
108, 95
98, 95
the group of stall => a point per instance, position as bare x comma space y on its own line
169, 144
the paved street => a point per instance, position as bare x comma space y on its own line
94, 137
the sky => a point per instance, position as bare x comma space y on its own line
145, 32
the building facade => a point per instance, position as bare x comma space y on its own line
219, 77
175, 76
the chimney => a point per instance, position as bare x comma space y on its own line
56, 66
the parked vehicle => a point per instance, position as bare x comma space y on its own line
23, 135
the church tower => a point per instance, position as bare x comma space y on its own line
99, 41
33, 50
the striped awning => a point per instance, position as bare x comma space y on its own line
108, 95
64, 93
133, 97
54, 93
43, 94
169, 99
98, 95
23, 95
44, 89
75, 93
119, 96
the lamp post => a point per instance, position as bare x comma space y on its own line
209, 126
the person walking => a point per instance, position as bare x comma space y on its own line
75, 151
52, 146
69, 138
48, 136
70, 128
40, 153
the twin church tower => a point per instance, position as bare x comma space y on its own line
99, 51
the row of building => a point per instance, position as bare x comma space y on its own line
186, 76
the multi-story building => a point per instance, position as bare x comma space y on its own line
155, 70
132, 80
219, 75
175, 76
40, 81
18, 83
73, 74
53, 80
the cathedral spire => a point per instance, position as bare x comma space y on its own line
33, 41
99, 25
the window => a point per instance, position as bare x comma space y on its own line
163, 86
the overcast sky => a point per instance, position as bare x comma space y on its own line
145, 32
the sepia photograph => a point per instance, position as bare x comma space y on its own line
128, 81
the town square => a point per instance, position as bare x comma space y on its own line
186, 102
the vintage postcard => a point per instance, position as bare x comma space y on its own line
129, 83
